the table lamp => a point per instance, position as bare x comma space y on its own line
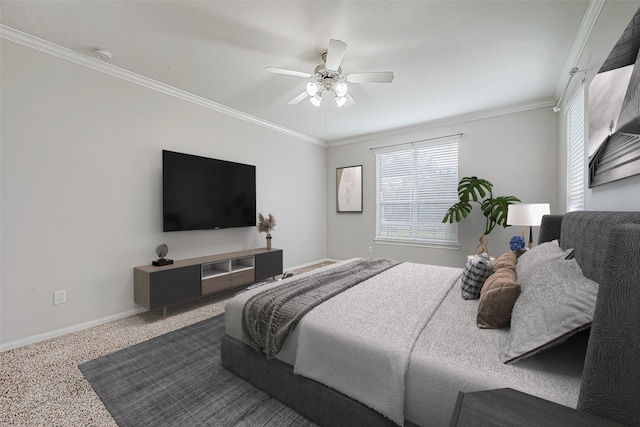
527, 214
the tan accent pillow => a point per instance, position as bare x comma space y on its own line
497, 297
507, 259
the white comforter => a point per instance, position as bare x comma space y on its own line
368, 359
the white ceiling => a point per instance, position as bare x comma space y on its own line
450, 58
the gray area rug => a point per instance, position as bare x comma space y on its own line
176, 379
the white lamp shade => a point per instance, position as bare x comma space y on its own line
341, 100
341, 89
312, 88
316, 99
527, 213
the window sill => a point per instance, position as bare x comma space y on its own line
417, 245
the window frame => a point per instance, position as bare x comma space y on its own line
408, 227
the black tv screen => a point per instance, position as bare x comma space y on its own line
199, 193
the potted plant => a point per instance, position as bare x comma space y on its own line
265, 225
474, 189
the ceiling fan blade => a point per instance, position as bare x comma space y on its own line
335, 53
298, 98
373, 77
287, 72
350, 100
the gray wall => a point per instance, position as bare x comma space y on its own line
81, 190
517, 152
621, 195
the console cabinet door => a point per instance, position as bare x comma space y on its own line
268, 264
168, 287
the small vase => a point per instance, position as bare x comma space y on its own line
268, 242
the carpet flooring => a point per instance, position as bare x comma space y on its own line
41, 384
176, 379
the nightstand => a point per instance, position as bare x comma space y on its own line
508, 407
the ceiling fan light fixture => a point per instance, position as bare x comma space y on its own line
341, 100
316, 99
341, 89
312, 88
328, 79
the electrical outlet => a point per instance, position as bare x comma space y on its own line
370, 249
59, 297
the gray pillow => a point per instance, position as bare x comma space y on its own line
474, 274
530, 260
556, 302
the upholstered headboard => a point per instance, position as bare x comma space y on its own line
607, 248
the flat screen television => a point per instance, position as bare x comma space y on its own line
200, 193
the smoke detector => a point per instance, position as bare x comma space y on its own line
103, 54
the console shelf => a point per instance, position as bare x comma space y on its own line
215, 269
161, 286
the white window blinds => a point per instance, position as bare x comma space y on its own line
414, 189
575, 152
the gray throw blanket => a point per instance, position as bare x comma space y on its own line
269, 317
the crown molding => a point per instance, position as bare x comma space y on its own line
582, 37
16, 36
449, 121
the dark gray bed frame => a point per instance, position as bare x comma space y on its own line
608, 250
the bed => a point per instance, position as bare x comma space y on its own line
397, 347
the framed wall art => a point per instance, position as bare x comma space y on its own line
349, 189
614, 112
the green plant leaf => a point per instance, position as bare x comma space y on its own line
457, 212
496, 210
473, 188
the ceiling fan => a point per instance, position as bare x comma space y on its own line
327, 78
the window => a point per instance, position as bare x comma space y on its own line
414, 189
575, 152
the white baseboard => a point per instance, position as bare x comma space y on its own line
63, 331
59, 332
